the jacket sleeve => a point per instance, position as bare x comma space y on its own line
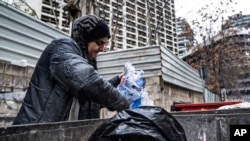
115, 81
76, 76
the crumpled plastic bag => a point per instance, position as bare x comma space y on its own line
146, 123
131, 85
146, 100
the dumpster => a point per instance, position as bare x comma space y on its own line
208, 125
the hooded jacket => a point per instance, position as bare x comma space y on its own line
63, 72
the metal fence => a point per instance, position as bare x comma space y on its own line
154, 61
22, 37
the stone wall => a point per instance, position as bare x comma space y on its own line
164, 94
14, 78
10, 104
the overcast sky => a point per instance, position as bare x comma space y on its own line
188, 9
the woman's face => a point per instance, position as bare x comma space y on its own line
94, 47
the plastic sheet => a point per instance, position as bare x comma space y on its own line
146, 123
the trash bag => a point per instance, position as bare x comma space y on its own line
146, 123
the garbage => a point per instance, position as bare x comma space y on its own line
235, 106
146, 123
146, 100
132, 87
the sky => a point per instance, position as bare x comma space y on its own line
189, 9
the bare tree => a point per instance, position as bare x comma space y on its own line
33, 13
26, 10
73, 9
221, 53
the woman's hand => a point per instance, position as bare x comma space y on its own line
121, 75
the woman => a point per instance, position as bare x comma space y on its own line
67, 69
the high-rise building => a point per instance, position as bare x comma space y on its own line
239, 25
134, 23
55, 14
237, 20
185, 37
138, 23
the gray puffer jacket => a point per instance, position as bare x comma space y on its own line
64, 74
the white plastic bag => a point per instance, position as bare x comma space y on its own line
131, 85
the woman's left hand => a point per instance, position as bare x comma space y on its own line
121, 75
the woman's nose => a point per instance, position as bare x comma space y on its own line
102, 47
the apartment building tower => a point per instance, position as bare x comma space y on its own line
133, 23
239, 25
185, 37
137, 23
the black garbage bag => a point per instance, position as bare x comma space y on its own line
146, 123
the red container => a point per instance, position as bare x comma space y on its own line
203, 106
